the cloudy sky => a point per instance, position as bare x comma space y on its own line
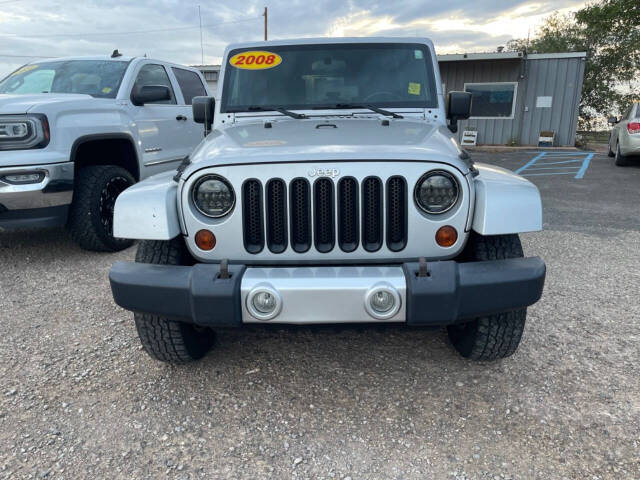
168, 29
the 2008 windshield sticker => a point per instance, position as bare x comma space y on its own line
255, 60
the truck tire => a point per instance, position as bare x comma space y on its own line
493, 336
164, 339
620, 159
91, 215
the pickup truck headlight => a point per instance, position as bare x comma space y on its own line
213, 196
436, 192
21, 132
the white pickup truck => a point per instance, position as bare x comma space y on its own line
75, 132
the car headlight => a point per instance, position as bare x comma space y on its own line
213, 196
20, 132
436, 192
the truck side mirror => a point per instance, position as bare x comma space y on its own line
612, 120
150, 94
458, 108
203, 110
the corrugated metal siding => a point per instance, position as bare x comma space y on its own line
560, 78
456, 74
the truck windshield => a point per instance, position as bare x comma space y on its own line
327, 76
98, 78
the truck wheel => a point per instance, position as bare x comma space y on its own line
164, 339
493, 336
621, 160
91, 214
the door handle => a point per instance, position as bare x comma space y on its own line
181, 117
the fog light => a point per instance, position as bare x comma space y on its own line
264, 302
382, 301
205, 240
24, 178
446, 236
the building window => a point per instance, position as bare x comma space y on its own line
211, 76
495, 100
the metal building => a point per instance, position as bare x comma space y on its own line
515, 96
211, 73
518, 96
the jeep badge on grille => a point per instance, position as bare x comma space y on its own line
324, 172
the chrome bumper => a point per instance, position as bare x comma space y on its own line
41, 204
443, 293
55, 189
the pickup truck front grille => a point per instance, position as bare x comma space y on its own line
324, 214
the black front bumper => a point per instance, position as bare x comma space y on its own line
448, 292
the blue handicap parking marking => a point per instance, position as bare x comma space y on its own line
557, 163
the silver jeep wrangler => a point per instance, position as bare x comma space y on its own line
329, 189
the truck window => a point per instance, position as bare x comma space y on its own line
98, 78
152, 74
190, 84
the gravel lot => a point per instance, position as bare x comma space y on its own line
80, 399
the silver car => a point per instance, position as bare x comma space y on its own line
624, 140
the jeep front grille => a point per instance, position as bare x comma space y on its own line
325, 213
252, 216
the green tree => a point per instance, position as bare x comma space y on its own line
609, 31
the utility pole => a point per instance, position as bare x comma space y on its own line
201, 44
265, 23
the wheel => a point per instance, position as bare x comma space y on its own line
609, 151
493, 336
621, 160
164, 339
91, 214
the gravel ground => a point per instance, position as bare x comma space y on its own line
80, 399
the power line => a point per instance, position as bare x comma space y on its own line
87, 34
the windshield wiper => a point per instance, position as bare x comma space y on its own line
284, 111
369, 107
295, 115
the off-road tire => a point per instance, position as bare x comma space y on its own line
620, 159
91, 214
493, 336
164, 339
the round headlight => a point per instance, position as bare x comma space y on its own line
436, 192
213, 196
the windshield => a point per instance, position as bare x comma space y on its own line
321, 76
98, 78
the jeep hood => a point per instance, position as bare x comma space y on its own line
327, 139
20, 104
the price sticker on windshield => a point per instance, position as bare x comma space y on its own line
255, 60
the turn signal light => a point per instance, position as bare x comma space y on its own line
205, 240
446, 236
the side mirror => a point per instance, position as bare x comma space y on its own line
150, 94
612, 120
203, 110
458, 108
